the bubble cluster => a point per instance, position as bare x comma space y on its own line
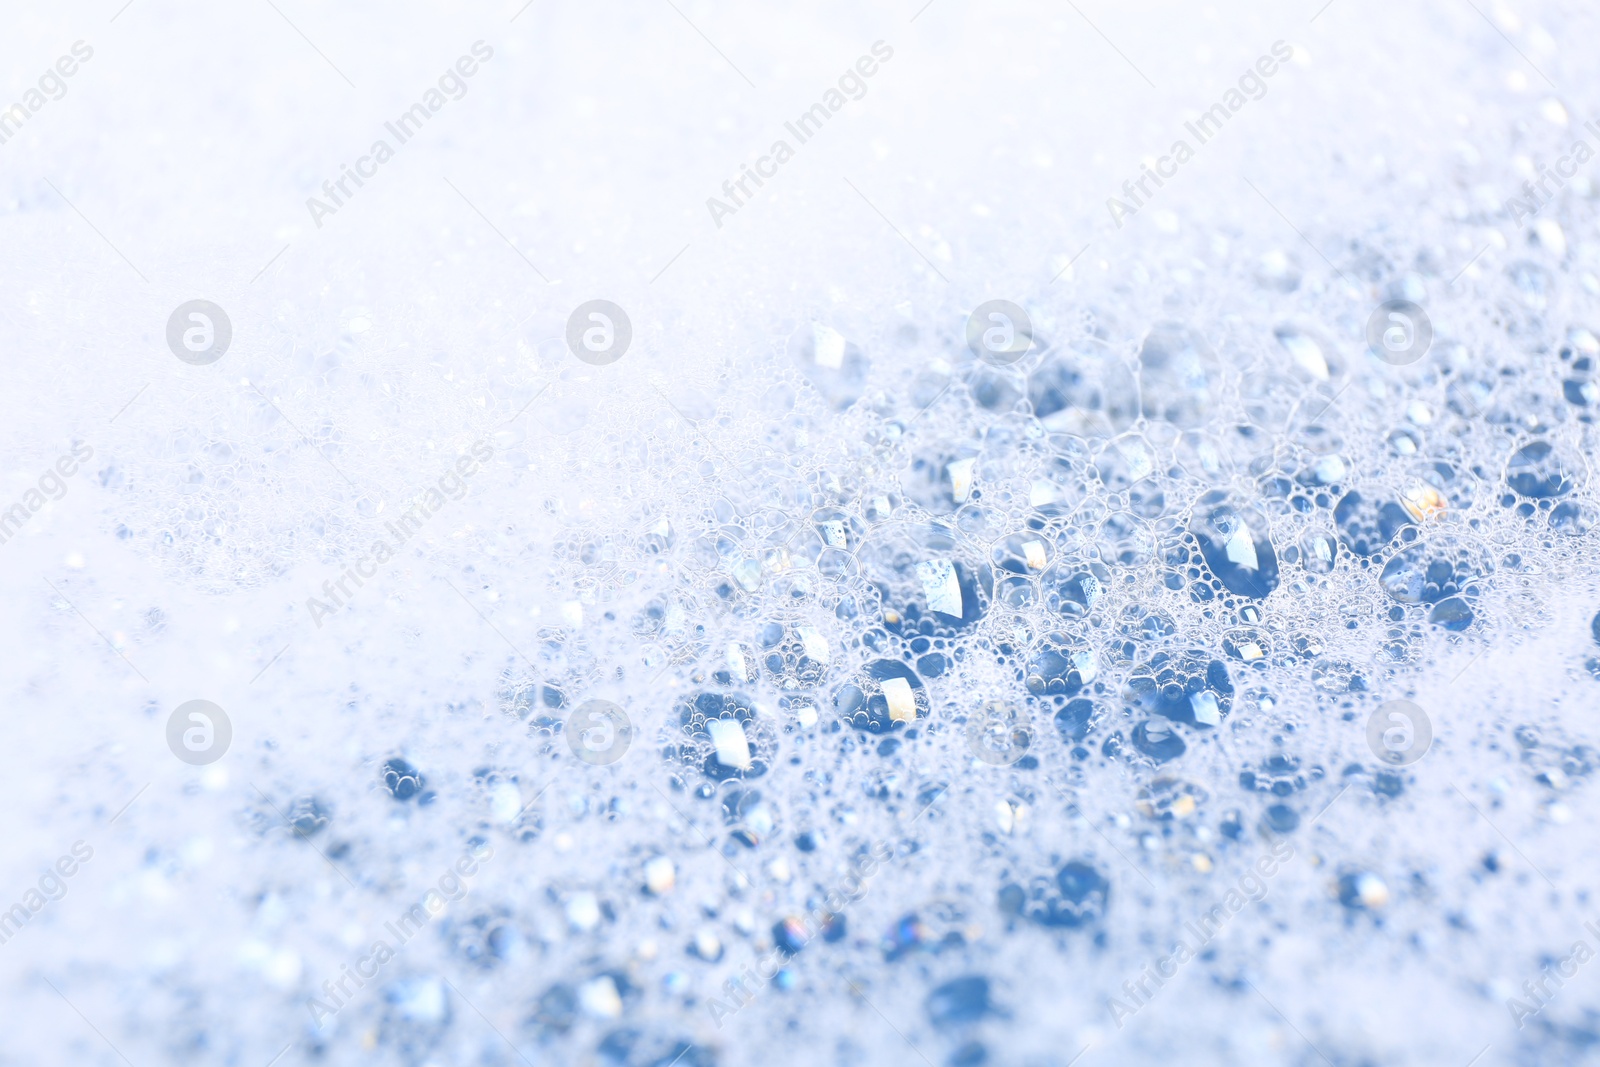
942, 633
1074, 632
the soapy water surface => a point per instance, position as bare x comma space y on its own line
962, 535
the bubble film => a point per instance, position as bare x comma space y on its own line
966, 535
